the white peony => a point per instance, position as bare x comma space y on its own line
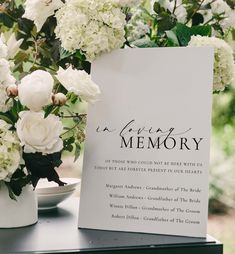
39, 134
35, 90
11, 43
79, 82
94, 26
9, 152
39, 10
224, 69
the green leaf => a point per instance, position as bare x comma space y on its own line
22, 56
25, 25
14, 112
5, 118
69, 148
6, 20
56, 159
201, 30
77, 151
51, 109
64, 53
183, 33
157, 7
172, 38
43, 166
165, 21
80, 55
10, 191
74, 98
233, 34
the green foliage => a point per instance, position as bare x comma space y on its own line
51, 109
42, 166
184, 32
12, 116
18, 180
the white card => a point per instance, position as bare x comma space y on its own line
147, 142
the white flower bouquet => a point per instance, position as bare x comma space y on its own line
32, 134
58, 39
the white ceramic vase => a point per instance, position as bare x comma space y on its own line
19, 213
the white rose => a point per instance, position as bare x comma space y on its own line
12, 44
39, 10
39, 134
79, 82
35, 90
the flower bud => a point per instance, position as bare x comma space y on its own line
12, 91
2, 8
59, 99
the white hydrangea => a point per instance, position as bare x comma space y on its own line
9, 152
94, 26
224, 69
39, 10
136, 27
128, 3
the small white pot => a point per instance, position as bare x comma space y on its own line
19, 213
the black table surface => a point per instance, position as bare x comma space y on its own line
57, 232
